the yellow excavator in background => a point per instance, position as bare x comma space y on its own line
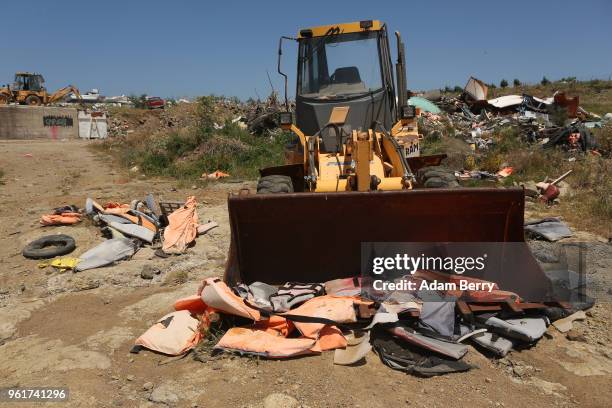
355, 174
28, 89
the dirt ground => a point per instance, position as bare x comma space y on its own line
76, 330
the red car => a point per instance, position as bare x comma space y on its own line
155, 102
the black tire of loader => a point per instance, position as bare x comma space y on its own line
274, 184
437, 177
49, 246
33, 100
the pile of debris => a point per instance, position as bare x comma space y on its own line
171, 227
262, 117
425, 332
258, 117
555, 121
124, 123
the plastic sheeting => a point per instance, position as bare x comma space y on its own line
424, 104
551, 229
106, 253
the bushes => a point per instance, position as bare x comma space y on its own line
230, 149
199, 148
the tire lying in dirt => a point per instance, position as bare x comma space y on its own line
49, 246
274, 185
437, 177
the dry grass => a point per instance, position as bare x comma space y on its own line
590, 205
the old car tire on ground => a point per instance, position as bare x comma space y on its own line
275, 184
49, 246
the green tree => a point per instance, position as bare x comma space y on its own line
503, 83
544, 80
139, 102
458, 89
516, 82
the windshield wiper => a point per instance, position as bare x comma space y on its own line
321, 42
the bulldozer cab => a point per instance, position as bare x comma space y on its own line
25, 81
344, 65
310, 217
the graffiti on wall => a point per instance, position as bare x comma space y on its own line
65, 121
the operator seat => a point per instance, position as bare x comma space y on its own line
346, 75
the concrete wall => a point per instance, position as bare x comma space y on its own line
38, 122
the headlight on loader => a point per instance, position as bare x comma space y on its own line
407, 112
285, 119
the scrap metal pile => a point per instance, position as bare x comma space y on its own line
555, 121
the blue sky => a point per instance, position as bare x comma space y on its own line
189, 48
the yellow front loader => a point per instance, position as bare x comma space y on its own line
355, 173
28, 89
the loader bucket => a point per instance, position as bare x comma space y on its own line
315, 237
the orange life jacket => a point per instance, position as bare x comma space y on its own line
182, 228
66, 218
194, 304
216, 294
173, 334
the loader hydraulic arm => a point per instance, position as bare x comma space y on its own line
61, 94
